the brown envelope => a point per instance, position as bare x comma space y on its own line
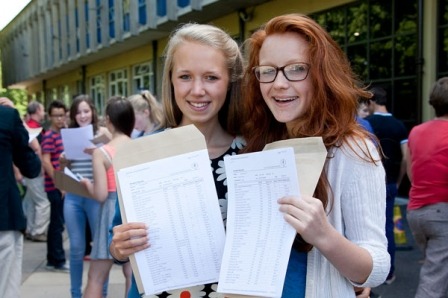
67, 183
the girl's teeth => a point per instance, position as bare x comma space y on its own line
285, 99
198, 104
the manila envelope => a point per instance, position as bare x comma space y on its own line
170, 142
64, 182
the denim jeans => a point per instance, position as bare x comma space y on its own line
55, 250
78, 211
391, 193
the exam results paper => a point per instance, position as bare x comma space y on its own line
176, 198
75, 140
258, 240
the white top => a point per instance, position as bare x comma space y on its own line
358, 212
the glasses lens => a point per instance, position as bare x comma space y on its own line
265, 74
296, 72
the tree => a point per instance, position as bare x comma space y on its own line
18, 96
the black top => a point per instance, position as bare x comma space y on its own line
391, 132
14, 149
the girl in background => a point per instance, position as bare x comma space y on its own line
80, 211
120, 122
148, 113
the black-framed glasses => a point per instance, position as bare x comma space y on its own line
58, 116
293, 72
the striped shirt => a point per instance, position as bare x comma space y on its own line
82, 167
52, 144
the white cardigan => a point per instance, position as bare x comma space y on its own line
358, 212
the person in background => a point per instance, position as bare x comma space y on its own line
392, 135
81, 213
363, 109
35, 202
15, 150
52, 148
427, 212
298, 83
120, 120
148, 113
200, 86
362, 112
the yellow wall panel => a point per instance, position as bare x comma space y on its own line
123, 60
68, 78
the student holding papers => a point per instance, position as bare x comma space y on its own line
120, 122
299, 84
79, 211
200, 86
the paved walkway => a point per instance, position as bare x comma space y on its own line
37, 282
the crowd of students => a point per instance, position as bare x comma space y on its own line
297, 83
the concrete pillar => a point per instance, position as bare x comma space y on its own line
118, 17
151, 13
48, 37
63, 37
55, 38
71, 29
81, 30
26, 50
133, 15
42, 39
92, 25
429, 54
171, 10
35, 43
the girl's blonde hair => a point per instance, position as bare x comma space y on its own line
146, 101
216, 38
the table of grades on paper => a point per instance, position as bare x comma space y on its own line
176, 198
258, 240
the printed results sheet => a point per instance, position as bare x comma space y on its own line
75, 140
259, 240
176, 198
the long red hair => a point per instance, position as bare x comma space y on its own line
331, 112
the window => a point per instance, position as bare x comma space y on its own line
380, 39
86, 13
142, 12
97, 91
161, 8
111, 19
142, 78
64, 94
67, 24
77, 27
98, 21
118, 83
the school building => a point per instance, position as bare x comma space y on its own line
55, 49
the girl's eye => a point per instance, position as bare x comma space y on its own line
184, 77
211, 78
